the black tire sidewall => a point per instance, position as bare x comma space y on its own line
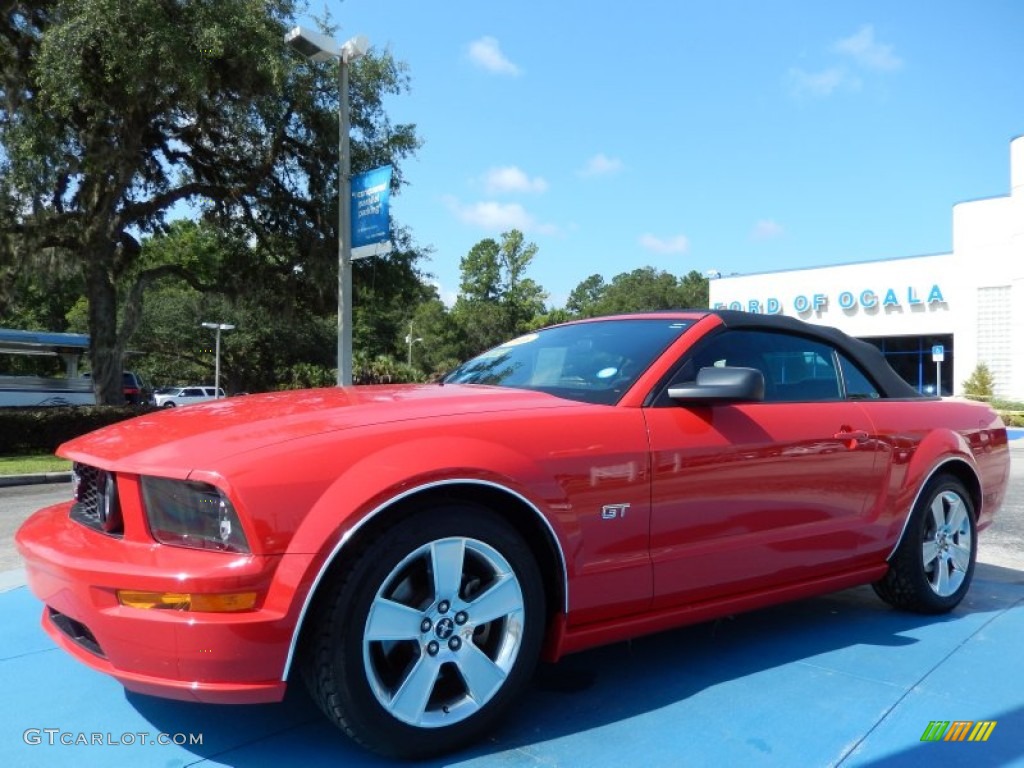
363, 715
910, 550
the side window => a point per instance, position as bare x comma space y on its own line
737, 349
795, 368
858, 385
802, 370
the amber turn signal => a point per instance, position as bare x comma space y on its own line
184, 601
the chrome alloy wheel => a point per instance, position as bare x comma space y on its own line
946, 547
443, 632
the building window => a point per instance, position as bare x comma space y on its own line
911, 358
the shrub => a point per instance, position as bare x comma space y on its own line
40, 430
981, 385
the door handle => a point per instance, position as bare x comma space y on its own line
851, 434
851, 437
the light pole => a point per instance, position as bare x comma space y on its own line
318, 47
218, 327
410, 341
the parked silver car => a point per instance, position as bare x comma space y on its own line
171, 397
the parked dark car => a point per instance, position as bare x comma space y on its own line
135, 390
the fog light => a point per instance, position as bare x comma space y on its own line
185, 601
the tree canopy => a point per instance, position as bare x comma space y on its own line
646, 288
165, 163
113, 115
497, 300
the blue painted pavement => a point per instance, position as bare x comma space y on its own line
837, 680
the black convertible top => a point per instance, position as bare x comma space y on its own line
866, 355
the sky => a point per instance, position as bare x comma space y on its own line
736, 137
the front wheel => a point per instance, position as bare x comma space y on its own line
425, 639
933, 565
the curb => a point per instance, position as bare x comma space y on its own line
7, 481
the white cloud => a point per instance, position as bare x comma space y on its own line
665, 245
868, 52
447, 297
858, 52
512, 179
497, 217
766, 229
486, 54
821, 83
601, 165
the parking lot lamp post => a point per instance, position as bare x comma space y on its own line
318, 47
218, 327
410, 340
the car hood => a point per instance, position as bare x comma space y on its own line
199, 435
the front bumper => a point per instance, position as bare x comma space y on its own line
235, 657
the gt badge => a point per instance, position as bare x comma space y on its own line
613, 511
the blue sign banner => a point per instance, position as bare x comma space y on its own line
371, 220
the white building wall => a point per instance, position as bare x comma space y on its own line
975, 293
1016, 213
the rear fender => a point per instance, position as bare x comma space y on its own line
942, 450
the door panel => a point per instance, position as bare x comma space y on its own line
750, 496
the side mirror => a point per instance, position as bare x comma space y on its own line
721, 385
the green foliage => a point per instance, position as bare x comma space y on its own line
32, 464
497, 301
586, 296
642, 289
1012, 418
439, 342
112, 113
307, 375
41, 430
981, 384
384, 369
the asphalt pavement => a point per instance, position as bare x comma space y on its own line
835, 680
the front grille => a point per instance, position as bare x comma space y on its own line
76, 631
88, 508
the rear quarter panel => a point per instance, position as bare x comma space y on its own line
923, 437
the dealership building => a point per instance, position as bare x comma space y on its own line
935, 317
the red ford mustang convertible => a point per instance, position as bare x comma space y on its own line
412, 551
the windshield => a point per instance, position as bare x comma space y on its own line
595, 362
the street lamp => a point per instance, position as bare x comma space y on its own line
318, 47
410, 341
218, 327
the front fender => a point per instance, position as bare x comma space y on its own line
391, 472
384, 478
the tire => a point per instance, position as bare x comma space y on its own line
411, 670
933, 565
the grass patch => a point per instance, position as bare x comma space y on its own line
29, 465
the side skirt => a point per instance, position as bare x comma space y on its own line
563, 640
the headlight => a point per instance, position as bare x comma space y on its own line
188, 514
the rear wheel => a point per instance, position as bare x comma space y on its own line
425, 639
933, 565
